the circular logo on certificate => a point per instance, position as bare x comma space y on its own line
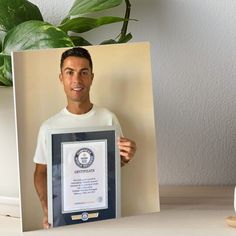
84, 216
84, 157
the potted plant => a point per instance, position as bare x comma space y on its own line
22, 27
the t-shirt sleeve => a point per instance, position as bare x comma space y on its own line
116, 123
40, 156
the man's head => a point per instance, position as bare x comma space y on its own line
76, 75
76, 52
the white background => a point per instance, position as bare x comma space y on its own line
79, 202
194, 71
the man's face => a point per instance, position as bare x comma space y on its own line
76, 77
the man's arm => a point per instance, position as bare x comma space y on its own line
40, 183
127, 150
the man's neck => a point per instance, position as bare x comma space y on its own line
78, 108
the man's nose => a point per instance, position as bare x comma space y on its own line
77, 77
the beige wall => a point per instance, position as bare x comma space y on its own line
123, 84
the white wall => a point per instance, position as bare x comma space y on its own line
8, 159
194, 70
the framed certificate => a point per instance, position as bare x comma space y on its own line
83, 175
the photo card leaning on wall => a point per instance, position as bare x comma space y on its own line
120, 83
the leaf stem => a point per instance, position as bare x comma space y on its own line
125, 24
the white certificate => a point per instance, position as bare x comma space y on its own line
84, 176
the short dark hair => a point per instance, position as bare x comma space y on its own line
76, 52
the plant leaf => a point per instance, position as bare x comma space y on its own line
83, 24
1, 59
35, 35
87, 6
109, 41
5, 70
2, 35
125, 39
29, 35
79, 41
14, 12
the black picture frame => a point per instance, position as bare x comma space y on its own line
59, 137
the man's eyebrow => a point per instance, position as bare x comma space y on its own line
68, 68
85, 68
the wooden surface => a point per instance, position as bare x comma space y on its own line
193, 217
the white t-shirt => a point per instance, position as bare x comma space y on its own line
64, 119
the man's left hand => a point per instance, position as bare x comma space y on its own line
127, 149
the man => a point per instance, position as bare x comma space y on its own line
76, 77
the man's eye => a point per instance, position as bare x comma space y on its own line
84, 73
69, 72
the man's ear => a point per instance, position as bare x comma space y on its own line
60, 77
92, 76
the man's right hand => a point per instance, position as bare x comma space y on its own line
46, 225
40, 182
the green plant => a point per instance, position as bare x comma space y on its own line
22, 27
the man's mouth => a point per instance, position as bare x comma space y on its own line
77, 89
